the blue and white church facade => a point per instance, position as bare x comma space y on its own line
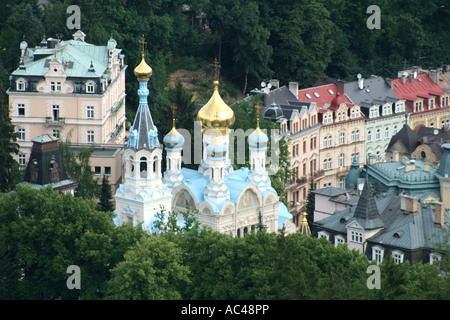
227, 200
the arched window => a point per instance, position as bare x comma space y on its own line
143, 164
90, 87
341, 160
342, 138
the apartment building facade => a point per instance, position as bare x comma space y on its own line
67, 88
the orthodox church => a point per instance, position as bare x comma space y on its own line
227, 200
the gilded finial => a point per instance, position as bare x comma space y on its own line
143, 43
216, 66
258, 107
174, 109
143, 71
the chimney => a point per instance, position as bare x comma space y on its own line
433, 74
293, 87
275, 83
341, 86
404, 75
408, 203
439, 214
360, 81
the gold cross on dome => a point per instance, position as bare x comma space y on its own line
174, 110
257, 107
143, 42
216, 66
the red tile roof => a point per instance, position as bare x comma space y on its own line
421, 87
321, 95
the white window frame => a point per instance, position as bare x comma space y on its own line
90, 87
341, 138
377, 254
323, 234
338, 239
56, 133
90, 112
341, 160
434, 257
20, 85
22, 160
397, 256
22, 134
21, 106
369, 135
90, 136
356, 236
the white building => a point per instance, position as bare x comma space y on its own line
229, 201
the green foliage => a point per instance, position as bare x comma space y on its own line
151, 270
79, 169
9, 168
310, 205
105, 197
42, 233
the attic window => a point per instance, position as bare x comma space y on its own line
316, 94
343, 221
330, 91
420, 80
308, 95
398, 234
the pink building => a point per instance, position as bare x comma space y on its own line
341, 134
68, 87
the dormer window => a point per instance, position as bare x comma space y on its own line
377, 254
90, 87
399, 107
431, 104
418, 106
445, 101
374, 112
20, 85
397, 256
386, 110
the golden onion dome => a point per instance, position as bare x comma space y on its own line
174, 138
143, 71
216, 114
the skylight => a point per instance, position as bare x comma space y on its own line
316, 94
308, 95
330, 91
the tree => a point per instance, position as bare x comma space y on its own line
151, 270
310, 204
302, 41
9, 169
79, 169
105, 197
44, 232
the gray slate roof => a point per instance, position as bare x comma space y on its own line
375, 91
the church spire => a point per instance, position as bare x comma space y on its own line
304, 227
143, 133
366, 211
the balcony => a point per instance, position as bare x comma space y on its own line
115, 109
318, 174
119, 128
296, 182
49, 121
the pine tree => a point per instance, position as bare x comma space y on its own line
106, 203
310, 205
9, 168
